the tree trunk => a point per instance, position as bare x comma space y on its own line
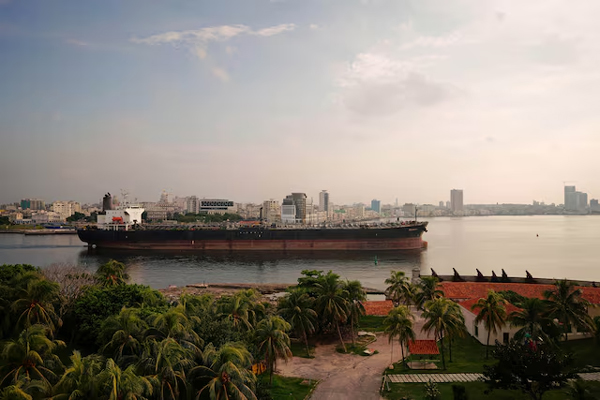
402, 348
488, 344
340, 335
306, 343
450, 347
392, 355
352, 330
443, 356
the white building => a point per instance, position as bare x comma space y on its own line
192, 205
216, 206
120, 219
478, 330
62, 208
288, 214
47, 217
271, 211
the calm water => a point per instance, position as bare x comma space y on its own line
567, 246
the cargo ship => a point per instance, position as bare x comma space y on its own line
122, 229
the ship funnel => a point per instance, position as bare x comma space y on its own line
107, 203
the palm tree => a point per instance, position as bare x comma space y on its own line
296, 308
273, 341
80, 380
399, 323
35, 304
456, 325
112, 273
30, 356
355, 294
118, 384
426, 290
492, 311
531, 318
174, 323
596, 322
237, 310
123, 330
225, 373
331, 303
400, 290
165, 364
567, 305
440, 317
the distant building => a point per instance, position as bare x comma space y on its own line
192, 205
448, 205
324, 201
359, 211
271, 211
32, 204
300, 201
456, 200
64, 209
288, 212
47, 217
376, 205
594, 205
441, 204
216, 206
575, 201
409, 209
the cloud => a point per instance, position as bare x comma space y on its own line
76, 42
201, 37
375, 84
221, 74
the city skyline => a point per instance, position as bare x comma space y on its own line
254, 99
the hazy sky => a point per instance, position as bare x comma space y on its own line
254, 99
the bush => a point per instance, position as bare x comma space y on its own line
459, 392
99, 303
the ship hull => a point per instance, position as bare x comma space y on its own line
401, 238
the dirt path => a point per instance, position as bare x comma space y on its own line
347, 376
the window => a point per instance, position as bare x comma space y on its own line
476, 331
505, 337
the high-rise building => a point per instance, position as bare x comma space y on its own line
300, 201
192, 205
63, 209
32, 204
324, 201
575, 201
456, 200
376, 205
271, 211
441, 204
594, 206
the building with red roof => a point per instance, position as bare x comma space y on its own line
466, 294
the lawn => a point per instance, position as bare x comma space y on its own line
468, 355
371, 323
476, 390
288, 388
585, 351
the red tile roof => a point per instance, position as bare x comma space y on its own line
469, 303
423, 347
381, 308
477, 290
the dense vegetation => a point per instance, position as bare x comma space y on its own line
71, 334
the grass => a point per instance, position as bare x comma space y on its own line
370, 323
585, 352
359, 347
288, 388
476, 390
468, 355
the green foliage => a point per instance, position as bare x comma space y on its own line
399, 324
492, 311
273, 341
77, 216
566, 304
4, 221
528, 366
112, 273
431, 391
512, 297
400, 290
297, 308
9, 271
426, 290
98, 303
442, 316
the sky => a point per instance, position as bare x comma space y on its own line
254, 99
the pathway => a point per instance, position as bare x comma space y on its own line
441, 378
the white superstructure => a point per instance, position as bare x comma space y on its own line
122, 218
